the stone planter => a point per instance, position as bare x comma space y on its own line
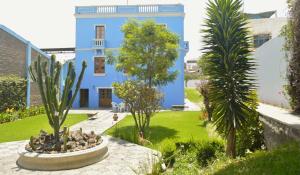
62, 161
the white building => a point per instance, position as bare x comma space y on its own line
270, 57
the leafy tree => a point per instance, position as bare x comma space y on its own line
230, 68
190, 76
143, 102
292, 46
148, 51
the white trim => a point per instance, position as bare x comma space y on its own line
102, 87
128, 15
89, 49
100, 75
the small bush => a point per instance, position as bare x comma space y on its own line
168, 152
251, 137
207, 151
11, 115
12, 93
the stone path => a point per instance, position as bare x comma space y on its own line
190, 106
124, 158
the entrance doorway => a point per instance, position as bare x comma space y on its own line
105, 97
84, 98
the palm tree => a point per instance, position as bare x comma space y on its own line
230, 68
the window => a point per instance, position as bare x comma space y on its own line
99, 65
261, 39
100, 31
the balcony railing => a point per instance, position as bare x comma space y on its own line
99, 43
123, 9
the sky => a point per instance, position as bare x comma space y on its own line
51, 23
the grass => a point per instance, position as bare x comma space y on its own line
283, 160
165, 126
193, 95
23, 129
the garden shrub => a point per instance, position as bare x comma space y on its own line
168, 152
188, 157
207, 151
11, 115
251, 137
12, 92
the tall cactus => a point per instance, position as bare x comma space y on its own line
55, 100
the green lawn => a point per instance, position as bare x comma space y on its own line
283, 160
193, 95
181, 126
31, 126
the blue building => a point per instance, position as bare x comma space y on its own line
98, 29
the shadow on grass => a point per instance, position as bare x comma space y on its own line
155, 135
284, 160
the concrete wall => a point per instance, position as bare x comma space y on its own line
271, 72
267, 26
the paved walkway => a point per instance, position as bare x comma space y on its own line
190, 106
124, 158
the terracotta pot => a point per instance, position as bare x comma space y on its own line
115, 117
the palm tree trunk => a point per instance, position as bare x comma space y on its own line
231, 139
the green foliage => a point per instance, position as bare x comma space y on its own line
143, 102
291, 32
191, 76
169, 152
207, 151
55, 101
203, 89
178, 125
31, 126
12, 92
191, 156
193, 95
230, 68
283, 160
251, 137
147, 52
11, 115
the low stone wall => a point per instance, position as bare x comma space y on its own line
280, 126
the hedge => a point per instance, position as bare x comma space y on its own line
12, 93
11, 115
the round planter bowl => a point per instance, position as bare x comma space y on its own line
62, 161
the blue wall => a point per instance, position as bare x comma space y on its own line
85, 34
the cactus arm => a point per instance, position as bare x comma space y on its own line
66, 90
83, 68
32, 74
41, 87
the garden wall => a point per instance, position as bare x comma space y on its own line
271, 73
280, 126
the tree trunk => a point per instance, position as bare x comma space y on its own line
231, 139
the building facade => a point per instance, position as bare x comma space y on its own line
270, 57
16, 54
98, 29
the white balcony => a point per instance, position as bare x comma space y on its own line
99, 43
